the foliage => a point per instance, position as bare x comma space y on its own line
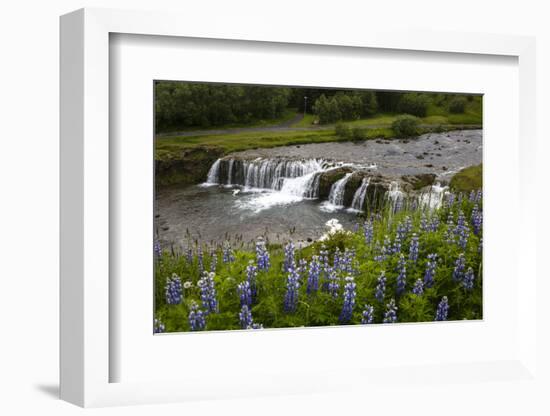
468, 179
356, 267
457, 105
413, 103
405, 126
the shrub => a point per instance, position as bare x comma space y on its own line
358, 133
343, 131
457, 105
405, 126
414, 104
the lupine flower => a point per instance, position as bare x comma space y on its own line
189, 255
368, 315
349, 300
430, 270
449, 233
289, 257
200, 260
313, 276
414, 205
158, 327
245, 317
479, 196
450, 200
302, 268
355, 227
442, 310
228, 254
213, 262
408, 224
336, 261
381, 287
208, 292
384, 250
251, 275
292, 286
460, 265
245, 294
423, 222
468, 280
462, 231
401, 262
390, 316
158, 249
418, 288
401, 281
477, 219
368, 231
434, 224
346, 261
325, 267
413, 249
197, 321
262, 256
333, 283
173, 290
472, 196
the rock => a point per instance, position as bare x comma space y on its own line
419, 157
419, 181
326, 179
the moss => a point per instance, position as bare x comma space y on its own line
468, 179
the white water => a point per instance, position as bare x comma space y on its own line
434, 197
359, 197
213, 174
336, 196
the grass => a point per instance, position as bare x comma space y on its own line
306, 121
468, 179
321, 308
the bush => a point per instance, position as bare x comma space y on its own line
358, 133
457, 105
405, 126
343, 131
414, 104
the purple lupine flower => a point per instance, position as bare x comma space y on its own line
408, 224
346, 262
245, 293
430, 270
418, 288
173, 290
479, 196
292, 286
336, 261
367, 317
460, 265
301, 269
245, 317
461, 230
450, 200
468, 280
390, 316
200, 260
434, 224
213, 262
381, 287
313, 275
289, 257
189, 255
413, 249
368, 231
208, 292
251, 275
442, 310
325, 267
349, 300
414, 205
384, 251
228, 254
355, 227
472, 196
333, 285
197, 321
423, 222
401, 281
157, 249
477, 219
158, 327
262, 256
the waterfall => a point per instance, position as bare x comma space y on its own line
214, 173
336, 196
359, 197
434, 197
230, 171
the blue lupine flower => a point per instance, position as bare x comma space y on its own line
400, 263
302, 268
381, 287
461, 230
450, 200
418, 288
173, 290
208, 292
251, 275
368, 231
245, 294
384, 251
333, 286
245, 317
423, 222
430, 270
477, 219
262, 256
442, 310
228, 254
349, 300
197, 321
289, 257
158, 327
313, 276
401, 280
292, 286
336, 261
468, 280
157, 249
460, 265
479, 196
368, 315
390, 316
346, 262
413, 249
472, 196
213, 262
408, 227
434, 224
325, 267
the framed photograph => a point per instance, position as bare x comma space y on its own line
274, 214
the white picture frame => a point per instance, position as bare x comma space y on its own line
86, 356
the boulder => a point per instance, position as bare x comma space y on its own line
420, 180
326, 179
